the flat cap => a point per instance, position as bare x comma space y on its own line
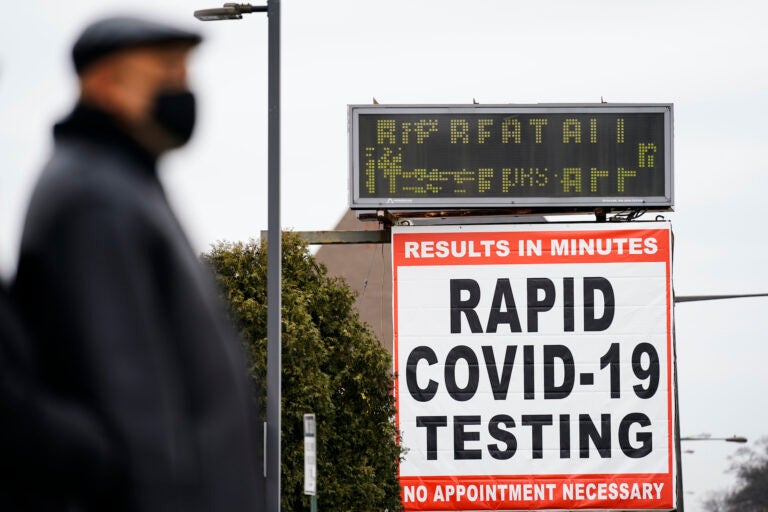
109, 35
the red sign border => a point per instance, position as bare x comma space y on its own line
516, 233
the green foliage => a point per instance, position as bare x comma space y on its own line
333, 366
750, 465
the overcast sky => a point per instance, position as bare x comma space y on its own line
708, 58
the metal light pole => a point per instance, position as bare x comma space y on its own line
705, 437
735, 439
699, 298
272, 456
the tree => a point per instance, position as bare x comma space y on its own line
750, 494
333, 366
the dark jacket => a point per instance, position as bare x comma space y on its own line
126, 323
42, 436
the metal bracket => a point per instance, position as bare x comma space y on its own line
381, 236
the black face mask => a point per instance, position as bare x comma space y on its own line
174, 112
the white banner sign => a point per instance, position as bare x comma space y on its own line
310, 455
534, 366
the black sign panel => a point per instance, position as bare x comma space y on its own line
484, 157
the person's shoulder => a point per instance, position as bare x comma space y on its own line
83, 175
82, 180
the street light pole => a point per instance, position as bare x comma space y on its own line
233, 11
705, 437
274, 267
702, 437
698, 298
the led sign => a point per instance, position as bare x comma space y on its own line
434, 157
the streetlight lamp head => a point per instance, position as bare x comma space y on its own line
230, 11
218, 13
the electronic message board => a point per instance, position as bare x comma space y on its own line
477, 156
535, 366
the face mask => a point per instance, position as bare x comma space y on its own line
174, 112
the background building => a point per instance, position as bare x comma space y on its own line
367, 268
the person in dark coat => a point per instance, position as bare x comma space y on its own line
43, 437
125, 322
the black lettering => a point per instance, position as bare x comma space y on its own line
568, 303
536, 306
457, 393
499, 385
505, 436
551, 390
431, 423
420, 394
460, 436
467, 307
651, 373
601, 439
528, 367
565, 436
503, 293
592, 285
645, 438
537, 423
